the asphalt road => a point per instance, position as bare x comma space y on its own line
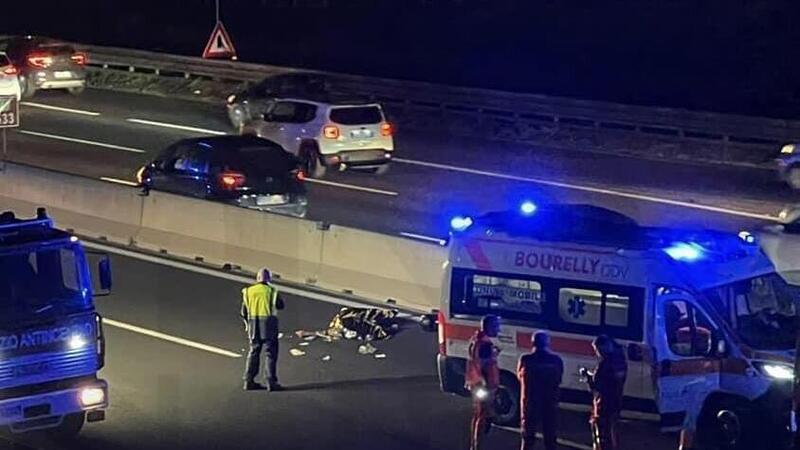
433, 177
166, 395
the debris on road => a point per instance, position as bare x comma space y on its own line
280, 335
380, 355
364, 323
303, 333
326, 358
366, 349
304, 344
310, 338
296, 352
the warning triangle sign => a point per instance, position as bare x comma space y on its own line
220, 44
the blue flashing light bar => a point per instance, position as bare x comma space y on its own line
683, 251
527, 208
460, 223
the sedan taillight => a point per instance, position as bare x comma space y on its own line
386, 129
232, 180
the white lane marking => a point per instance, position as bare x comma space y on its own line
353, 187
563, 442
169, 338
60, 108
423, 238
119, 181
175, 126
81, 141
591, 189
309, 294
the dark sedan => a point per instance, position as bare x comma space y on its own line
244, 170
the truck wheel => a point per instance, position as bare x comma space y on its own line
506, 402
793, 177
69, 428
312, 164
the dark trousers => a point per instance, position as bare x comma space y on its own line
254, 360
604, 432
534, 416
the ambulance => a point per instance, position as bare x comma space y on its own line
690, 308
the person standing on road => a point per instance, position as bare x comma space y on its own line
540, 374
483, 378
260, 304
607, 383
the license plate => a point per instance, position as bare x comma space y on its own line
63, 74
361, 133
263, 200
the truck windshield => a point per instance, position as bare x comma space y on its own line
762, 310
37, 282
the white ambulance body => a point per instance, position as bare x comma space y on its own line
689, 307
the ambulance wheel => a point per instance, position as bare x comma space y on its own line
506, 402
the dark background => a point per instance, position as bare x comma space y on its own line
729, 55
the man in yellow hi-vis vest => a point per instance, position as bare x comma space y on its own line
260, 304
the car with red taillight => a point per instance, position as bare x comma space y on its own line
325, 133
43, 63
243, 170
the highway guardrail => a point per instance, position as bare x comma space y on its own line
506, 116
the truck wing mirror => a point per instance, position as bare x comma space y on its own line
722, 348
102, 279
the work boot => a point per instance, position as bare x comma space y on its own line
276, 387
253, 386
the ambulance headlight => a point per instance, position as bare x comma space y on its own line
92, 396
527, 208
776, 371
460, 223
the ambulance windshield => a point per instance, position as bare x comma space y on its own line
762, 310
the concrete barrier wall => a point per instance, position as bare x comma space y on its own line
366, 264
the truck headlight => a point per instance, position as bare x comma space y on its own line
92, 396
776, 371
788, 149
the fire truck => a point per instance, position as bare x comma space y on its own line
51, 338
689, 307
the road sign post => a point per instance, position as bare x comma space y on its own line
9, 118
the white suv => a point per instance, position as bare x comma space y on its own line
9, 82
343, 136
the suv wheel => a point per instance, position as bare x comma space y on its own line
28, 87
312, 164
76, 90
382, 169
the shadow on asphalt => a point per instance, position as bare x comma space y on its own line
382, 381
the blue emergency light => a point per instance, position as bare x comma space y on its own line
460, 223
527, 208
685, 251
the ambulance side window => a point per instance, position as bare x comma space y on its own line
689, 332
580, 306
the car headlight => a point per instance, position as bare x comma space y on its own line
776, 371
788, 149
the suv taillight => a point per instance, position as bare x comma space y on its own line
231, 180
331, 132
40, 60
78, 58
386, 129
299, 175
10, 70
442, 334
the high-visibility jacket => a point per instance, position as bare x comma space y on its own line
482, 368
260, 304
